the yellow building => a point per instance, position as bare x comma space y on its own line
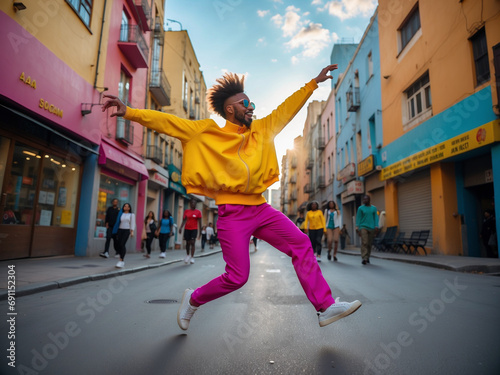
188, 100
441, 151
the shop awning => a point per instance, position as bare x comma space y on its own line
109, 153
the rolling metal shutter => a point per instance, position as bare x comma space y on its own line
415, 204
378, 199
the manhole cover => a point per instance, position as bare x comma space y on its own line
162, 301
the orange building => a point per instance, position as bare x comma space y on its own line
440, 63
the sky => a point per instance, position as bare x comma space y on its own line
278, 45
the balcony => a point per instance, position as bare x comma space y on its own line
293, 196
144, 11
160, 87
197, 100
192, 115
293, 179
133, 46
309, 163
124, 131
294, 162
154, 153
352, 99
320, 143
321, 182
308, 189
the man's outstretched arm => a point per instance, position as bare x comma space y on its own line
286, 111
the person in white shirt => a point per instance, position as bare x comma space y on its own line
124, 227
210, 233
333, 222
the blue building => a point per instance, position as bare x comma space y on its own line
358, 125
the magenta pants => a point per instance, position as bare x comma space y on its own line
235, 225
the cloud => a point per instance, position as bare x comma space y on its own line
317, 2
277, 19
345, 9
312, 39
292, 21
307, 37
274, 60
262, 13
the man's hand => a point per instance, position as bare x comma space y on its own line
323, 75
114, 101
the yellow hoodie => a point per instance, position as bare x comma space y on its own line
233, 164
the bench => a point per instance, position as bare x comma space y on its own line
414, 244
405, 246
397, 242
384, 242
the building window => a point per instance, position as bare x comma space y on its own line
480, 51
109, 189
418, 97
83, 8
50, 202
359, 154
124, 87
328, 129
370, 66
409, 27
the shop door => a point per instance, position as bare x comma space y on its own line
19, 171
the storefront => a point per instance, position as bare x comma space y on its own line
46, 146
40, 190
121, 176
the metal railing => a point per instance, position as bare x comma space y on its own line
133, 34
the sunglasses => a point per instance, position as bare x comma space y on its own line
246, 103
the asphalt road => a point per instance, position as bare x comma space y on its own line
414, 320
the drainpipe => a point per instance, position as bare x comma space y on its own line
100, 42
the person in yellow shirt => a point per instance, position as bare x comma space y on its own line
315, 227
234, 165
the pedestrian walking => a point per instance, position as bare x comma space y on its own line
254, 240
343, 236
165, 231
203, 237
110, 220
366, 227
124, 228
210, 235
234, 165
150, 229
315, 226
333, 221
489, 234
300, 221
192, 220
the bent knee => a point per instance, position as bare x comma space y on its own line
236, 282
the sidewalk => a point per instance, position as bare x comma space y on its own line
35, 275
487, 266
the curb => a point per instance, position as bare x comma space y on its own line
63, 283
493, 270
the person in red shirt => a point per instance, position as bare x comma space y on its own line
192, 220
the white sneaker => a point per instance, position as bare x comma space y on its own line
191, 260
337, 311
186, 311
104, 254
120, 264
186, 259
162, 255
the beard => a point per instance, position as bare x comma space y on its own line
243, 119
